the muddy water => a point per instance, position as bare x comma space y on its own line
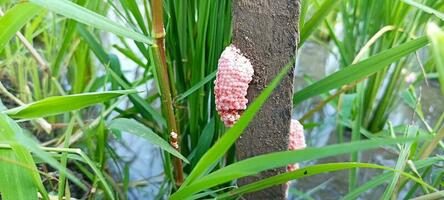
316, 62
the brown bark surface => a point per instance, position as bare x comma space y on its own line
265, 31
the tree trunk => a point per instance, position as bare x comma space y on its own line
266, 32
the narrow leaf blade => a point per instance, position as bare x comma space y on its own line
135, 128
60, 104
85, 16
360, 70
15, 19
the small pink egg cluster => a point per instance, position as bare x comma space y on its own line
296, 140
234, 73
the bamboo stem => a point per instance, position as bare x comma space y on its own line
162, 70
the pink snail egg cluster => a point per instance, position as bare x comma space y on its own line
234, 73
296, 140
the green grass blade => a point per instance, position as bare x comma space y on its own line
425, 8
99, 174
64, 159
400, 164
144, 108
93, 44
354, 194
196, 87
116, 74
9, 132
15, 182
359, 70
380, 179
310, 171
136, 128
14, 20
228, 139
260, 163
37, 151
88, 17
436, 37
318, 17
130, 54
17, 141
60, 104
205, 140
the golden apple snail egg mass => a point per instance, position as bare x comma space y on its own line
234, 73
296, 140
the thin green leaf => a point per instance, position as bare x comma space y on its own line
16, 184
400, 164
310, 171
114, 70
88, 17
380, 179
425, 8
436, 37
60, 104
360, 70
136, 128
14, 20
9, 130
260, 163
37, 151
204, 143
197, 86
318, 17
145, 109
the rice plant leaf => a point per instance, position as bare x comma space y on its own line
380, 179
197, 86
228, 139
375, 181
88, 17
14, 19
204, 143
318, 17
360, 70
43, 155
15, 182
255, 165
60, 104
136, 128
22, 143
116, 74
400, 163
77, 154
98, 173
93, 44
425, 8
310, 171
8, 132
436, 37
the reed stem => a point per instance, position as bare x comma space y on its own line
165, 89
